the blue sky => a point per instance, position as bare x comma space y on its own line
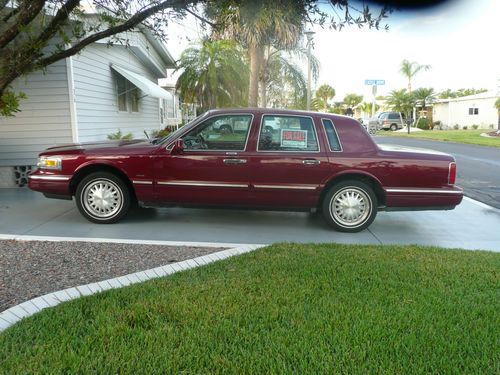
460, 40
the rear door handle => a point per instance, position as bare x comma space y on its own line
311, 161
235, 161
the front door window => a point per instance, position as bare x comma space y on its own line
220, 133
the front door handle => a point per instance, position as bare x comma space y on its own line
235, 161
311, 161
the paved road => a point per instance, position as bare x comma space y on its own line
478, 167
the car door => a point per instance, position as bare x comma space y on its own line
288, 166
212, 169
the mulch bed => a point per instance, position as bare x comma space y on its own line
29, 269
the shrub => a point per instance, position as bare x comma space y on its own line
423, 123
475, 126
160, 133
464, 127
456, 126
492, 126
120, 136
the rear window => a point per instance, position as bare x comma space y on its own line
331, 134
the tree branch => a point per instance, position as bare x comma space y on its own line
200, 17
24, 17
130, 23
61, 16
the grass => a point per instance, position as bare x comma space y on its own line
287, 308
460, 136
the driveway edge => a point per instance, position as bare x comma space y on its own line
28, 308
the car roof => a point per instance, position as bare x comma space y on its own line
274, 111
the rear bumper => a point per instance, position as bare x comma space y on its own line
430, 198
49, 183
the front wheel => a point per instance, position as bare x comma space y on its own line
350, 206
102, 198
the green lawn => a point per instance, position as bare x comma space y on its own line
288, 308
460, 136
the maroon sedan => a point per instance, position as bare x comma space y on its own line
254, 158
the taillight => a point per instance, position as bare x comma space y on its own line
386, 121
452, 173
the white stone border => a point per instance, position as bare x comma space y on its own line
16, 313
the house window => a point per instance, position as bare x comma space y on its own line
127, 94
473, 111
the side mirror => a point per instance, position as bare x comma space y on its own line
178, 147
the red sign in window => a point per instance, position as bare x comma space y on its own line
294, 138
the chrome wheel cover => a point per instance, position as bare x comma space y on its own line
350, 207
102, 199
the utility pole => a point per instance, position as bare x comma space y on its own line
309, 35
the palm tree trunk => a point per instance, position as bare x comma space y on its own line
263, 94
256, 54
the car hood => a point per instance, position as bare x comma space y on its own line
120, 144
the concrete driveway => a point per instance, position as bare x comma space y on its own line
471, 225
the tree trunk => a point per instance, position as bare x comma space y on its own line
263, 94
256, 54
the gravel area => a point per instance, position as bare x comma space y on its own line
29, 269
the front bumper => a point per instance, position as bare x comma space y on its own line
50, 183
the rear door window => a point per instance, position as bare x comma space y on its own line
287, 133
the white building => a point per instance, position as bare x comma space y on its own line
86, 97
470, 110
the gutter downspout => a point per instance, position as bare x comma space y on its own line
72, 102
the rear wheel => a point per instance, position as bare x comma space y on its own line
394, 127
102, 198
350, 206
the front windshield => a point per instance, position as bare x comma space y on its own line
178, 131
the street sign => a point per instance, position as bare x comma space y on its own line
371, 82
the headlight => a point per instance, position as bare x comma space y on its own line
49, 163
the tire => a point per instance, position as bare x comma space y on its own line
103, 211
394, 127
359, 193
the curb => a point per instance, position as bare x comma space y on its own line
28, 308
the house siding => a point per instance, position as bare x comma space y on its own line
456, 112
96, 99
44, 119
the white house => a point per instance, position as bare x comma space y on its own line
89, 96
470, 110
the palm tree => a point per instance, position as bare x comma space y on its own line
325, 92
352, 100
259, 23
497, 106
215, 74
424, 96
411, 69
367, 108
280, 75
401, 101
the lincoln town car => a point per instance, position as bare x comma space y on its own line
255, 159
